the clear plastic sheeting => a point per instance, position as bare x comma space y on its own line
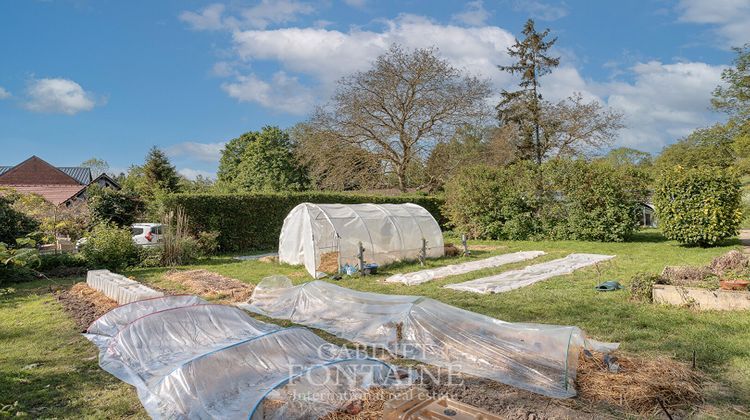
331, 233
118, 287
516, 279
536, 357
113, 321
423, 276
189, 359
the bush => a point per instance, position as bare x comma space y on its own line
110, 247
17, 262
642, 285
562, 199
700, 206
107, 205
254, 220
208, 243
491, 203
13, 223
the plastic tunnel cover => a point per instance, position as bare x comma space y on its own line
536, 357
388, 233
216, 361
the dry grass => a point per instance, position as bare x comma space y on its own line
212, 285
451, 250
641, 385
329, 263
685, 275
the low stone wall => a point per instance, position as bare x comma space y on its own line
704, 299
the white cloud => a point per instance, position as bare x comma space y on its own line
259, 16
59, 96
4, 94
661, 102
204, 152
540, 10
282, 93
192, 174
208, 19
474, 14
664, 102
730, 17
327, 55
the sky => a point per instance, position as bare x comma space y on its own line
110, 79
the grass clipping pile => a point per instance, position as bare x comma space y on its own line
84, 304
213, 285
645, 386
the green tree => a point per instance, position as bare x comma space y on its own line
13, 223
698, 206
159, 172
704, 147
107, 205
625, 156
733, 97
267, 163
97, 166
523, 107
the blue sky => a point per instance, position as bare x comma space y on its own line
109, 79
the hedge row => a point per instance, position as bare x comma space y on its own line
253, 221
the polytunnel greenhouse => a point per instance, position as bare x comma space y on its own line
190, 359
326, 237
536, 357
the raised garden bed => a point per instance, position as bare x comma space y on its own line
700, 298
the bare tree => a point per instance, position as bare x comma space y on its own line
404, 105
574, 127
332, 163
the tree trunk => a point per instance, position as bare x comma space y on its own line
401, 174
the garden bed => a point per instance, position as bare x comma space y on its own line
211, 285
84, 304
701, 298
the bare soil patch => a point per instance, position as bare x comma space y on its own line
212, 285
84, 304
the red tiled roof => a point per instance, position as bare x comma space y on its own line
55, 194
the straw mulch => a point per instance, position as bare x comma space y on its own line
451, 250
84, 304
369, 407
212, 285
641, 385
329, 263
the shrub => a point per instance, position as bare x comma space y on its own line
590, 201
562, 199
110, 247
208, 243
490, 203
642, 285
254, 220
17, 263
107, 205
62, 265
150, 256
700, 206
13, 223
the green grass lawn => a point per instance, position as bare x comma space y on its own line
35, 330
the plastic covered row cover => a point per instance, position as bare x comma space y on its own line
324, 237
536, 357
215, 361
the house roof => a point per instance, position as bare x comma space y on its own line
55, 194
35, 171
80, 173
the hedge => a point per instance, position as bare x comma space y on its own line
253, 221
